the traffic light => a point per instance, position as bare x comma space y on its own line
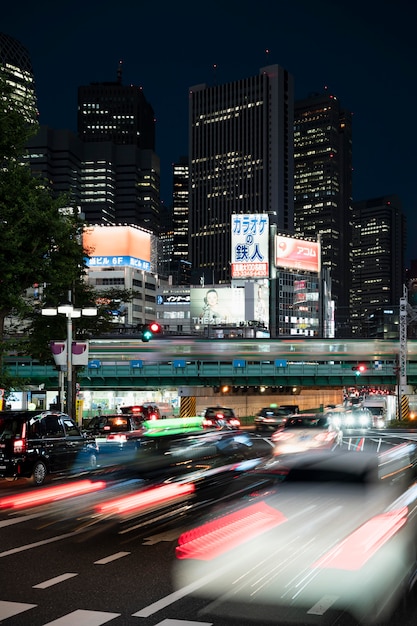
359, 369
149, 330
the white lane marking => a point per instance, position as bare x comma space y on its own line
112, 557
322, 605
54, 581
9, 609
29, 546
84, 618
18, 520
181, 622
170, 535
173, 597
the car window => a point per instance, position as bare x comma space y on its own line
300, 422
10, 427
53, 426
71, 429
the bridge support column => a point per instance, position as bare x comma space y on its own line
188, 406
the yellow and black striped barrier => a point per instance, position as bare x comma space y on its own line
188, 406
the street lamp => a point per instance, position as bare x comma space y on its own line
70, 312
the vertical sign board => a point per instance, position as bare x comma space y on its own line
250, 245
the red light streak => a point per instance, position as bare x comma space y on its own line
212, 539
145, 499
50, 494
363, 543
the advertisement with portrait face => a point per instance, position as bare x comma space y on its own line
219, 305
297, 254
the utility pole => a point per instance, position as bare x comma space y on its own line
403, 408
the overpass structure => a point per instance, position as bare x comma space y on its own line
126, 363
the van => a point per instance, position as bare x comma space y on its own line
34, 444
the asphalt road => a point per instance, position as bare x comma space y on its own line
51, 575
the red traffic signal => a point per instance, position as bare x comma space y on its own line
359, 369
149, 330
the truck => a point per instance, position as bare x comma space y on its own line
382, 407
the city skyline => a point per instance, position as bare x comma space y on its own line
364, 58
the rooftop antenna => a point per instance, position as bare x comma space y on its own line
267, 56
119, 73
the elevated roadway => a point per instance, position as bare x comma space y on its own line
173, 362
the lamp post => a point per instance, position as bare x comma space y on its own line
70, 312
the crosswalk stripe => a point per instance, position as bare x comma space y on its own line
9, 609
54, 581
84, 618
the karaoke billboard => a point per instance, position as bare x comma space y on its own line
250, 249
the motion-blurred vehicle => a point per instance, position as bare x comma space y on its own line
355, 418
175, 474
270, 418
220, 417
34, 444
115, 433
307, 431
145, 411
313, 536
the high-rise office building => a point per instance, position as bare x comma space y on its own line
16, 70
241, 161
323, 190
121, 172
379, 242
180, 216
116, 112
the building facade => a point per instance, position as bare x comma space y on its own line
379, 242
16, 70
323, 190
240, 160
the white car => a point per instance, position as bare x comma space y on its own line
307, 431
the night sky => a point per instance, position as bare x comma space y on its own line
364, 52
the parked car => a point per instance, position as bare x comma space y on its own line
307, 431
270, 418
220, 417
34, 444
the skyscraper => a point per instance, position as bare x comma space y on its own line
323, 190
241, 161
16, 70
379, 241
120, 171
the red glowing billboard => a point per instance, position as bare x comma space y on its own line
297, 254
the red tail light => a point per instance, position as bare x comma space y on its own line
116, 438
153, 416
20, 445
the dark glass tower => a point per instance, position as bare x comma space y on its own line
323, 191
241, 161
16, 70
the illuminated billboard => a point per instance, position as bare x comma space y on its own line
250, 249
297, 254
220, 305
117, 246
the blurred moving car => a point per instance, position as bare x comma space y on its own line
357, 417
307, 431
145, 411
34, 444
220, 417
270, 418
114, 433
313, 537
